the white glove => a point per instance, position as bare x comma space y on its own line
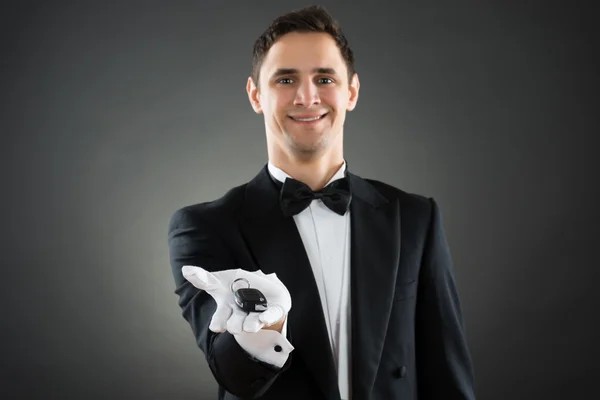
228, 316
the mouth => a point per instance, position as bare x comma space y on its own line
307, 118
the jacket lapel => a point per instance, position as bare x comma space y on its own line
375, 255
276, 246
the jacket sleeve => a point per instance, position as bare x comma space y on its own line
192, 241
444, 369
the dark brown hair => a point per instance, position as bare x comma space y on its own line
309, 19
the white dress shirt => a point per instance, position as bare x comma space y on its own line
326, 238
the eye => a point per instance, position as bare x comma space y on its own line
285, 81
325, 80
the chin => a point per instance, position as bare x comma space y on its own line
308, 146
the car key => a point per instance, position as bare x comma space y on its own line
249, 299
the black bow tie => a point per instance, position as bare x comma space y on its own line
295, 196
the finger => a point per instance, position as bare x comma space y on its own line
236, 321
200, 278
272, 315
219, 319
252, 323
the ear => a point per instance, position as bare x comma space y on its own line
353, 88
253, 96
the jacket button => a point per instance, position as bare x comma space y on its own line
400, 372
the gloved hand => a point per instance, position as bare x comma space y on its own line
228, 316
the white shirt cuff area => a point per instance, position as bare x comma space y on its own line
266, 345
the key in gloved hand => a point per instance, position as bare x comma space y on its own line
228, 315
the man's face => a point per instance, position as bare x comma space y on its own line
304, 93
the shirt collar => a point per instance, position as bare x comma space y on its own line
281, 175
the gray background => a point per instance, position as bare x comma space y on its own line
115, 115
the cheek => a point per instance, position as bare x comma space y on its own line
279, 106
275, 112
339, 105
335, 100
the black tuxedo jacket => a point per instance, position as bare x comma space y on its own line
408, 339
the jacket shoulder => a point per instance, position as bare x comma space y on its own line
420, 213
405, 198
217, 210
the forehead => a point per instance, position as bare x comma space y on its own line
304, 51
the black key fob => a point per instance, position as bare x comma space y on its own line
250, 300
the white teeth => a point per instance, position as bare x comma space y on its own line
307, 119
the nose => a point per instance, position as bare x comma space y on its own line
307, 94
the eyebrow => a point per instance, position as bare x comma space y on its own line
291, 71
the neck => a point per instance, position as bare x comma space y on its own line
313, 172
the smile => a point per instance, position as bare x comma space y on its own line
308, 119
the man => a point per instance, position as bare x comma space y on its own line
374, 312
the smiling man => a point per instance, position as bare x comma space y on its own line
304, 86
365, 266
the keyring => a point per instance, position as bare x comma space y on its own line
239, 279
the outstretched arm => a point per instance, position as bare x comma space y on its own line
193, 242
